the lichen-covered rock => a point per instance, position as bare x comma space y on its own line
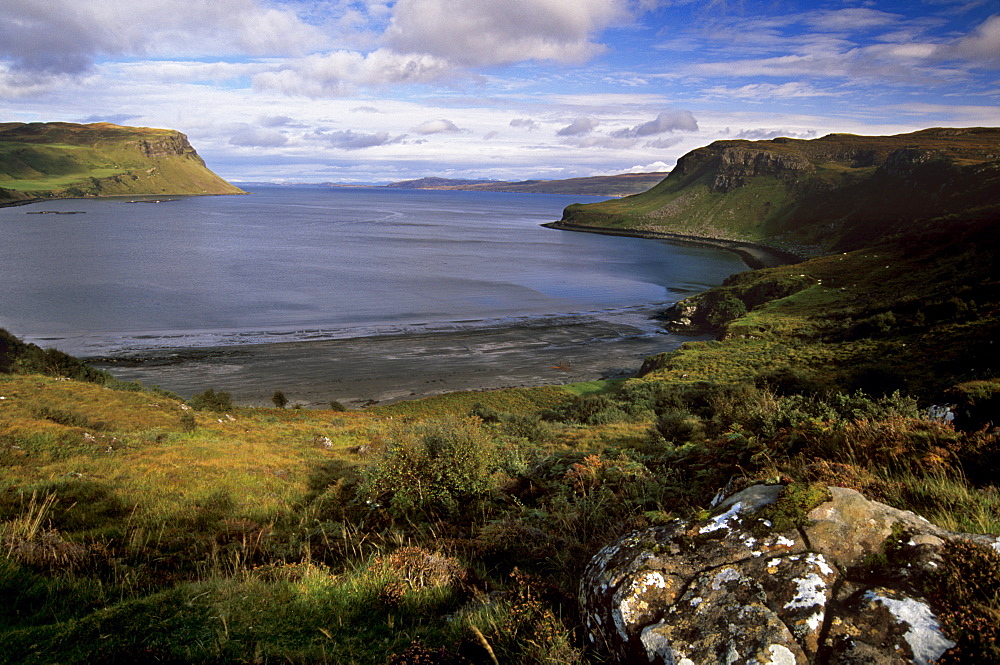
732, 589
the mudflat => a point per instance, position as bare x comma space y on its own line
389, 368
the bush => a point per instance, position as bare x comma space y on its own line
588, 410
209, 400
279, 399
439, 467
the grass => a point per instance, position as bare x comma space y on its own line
136, 529
62, 159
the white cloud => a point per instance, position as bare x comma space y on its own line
663, 144
655, 167
351, 140
68, 36
580, 126
441, 126
851, 19
524, 123
765, 133
487, 32
981, 48
668, 121
255, 137
770, 91
339, 73
275, 121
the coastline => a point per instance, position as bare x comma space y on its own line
365, 371
756, 256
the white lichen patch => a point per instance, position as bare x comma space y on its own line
784, 542
779, 654
722, 521
723, 576
630, 602
655, 643
811, 590
924, 636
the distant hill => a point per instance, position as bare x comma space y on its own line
63, 160
613, 185
834, 193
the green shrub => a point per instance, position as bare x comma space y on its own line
588, 410
209, 400
439, 467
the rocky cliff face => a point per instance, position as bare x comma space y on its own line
840, 582
812, 196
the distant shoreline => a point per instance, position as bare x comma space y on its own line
754, 255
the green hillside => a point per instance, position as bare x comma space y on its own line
136, 527
60, 160
829, 194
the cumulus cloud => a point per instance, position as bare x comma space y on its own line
668, 121
524, 123
256, 137
61, 37
441, 126
580, 126
655, 167
351, 140
487, 32
338, 73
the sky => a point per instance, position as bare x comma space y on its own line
376, 91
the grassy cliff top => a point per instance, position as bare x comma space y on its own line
62, 160
829, 194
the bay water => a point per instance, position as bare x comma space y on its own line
118, 278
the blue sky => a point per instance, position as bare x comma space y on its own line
384, 90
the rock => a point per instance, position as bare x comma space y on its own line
730, 589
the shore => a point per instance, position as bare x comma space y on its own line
389, 368
754, 255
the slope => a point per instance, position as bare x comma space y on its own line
59, 160
835, 193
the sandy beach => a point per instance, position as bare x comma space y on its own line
384, 369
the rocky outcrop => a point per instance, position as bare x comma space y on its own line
748, 586
738, 165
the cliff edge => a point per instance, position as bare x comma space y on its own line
835, 193
66, 160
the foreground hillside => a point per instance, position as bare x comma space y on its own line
835, 193
135, 527
59, 160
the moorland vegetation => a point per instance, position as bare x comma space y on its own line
136, 526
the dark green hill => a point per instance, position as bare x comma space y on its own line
835, 193
60, 160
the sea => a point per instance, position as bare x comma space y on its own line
100, 278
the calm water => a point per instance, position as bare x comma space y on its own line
288, 264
